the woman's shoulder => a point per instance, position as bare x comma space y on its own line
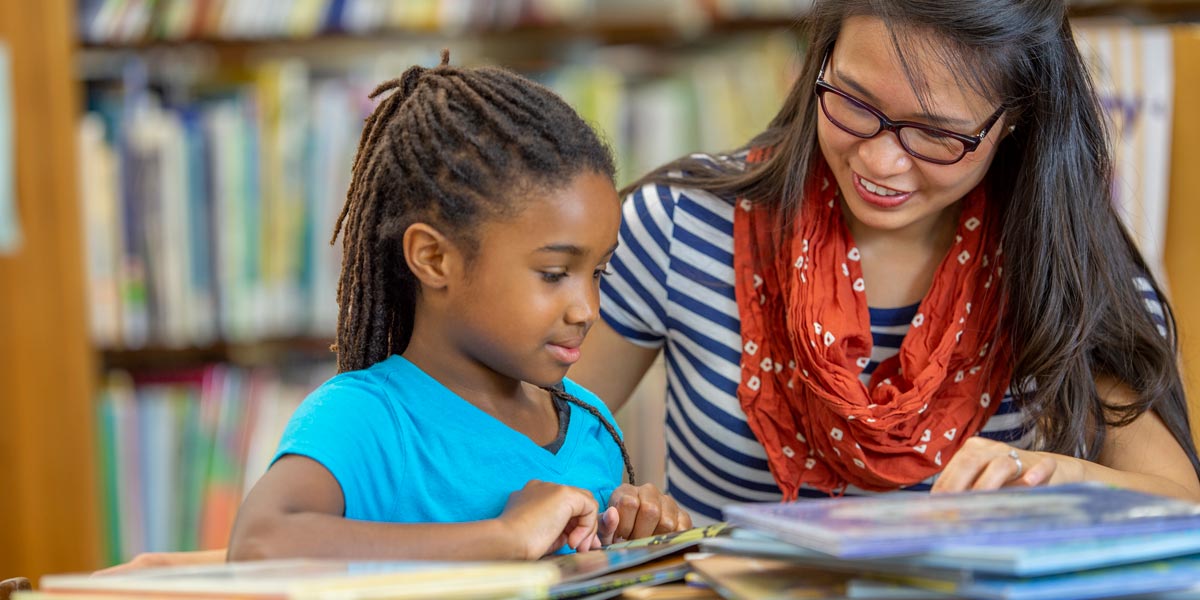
675, 186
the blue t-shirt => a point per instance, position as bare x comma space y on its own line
405, 449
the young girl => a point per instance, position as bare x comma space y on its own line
479, 220
915, 271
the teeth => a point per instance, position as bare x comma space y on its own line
878, 189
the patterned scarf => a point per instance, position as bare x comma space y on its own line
806, 337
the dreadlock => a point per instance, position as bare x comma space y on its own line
565, 397
452, 146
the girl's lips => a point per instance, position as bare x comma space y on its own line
876, 199
564, 354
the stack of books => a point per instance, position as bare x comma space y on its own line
1070, 541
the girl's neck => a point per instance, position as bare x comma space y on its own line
490, 391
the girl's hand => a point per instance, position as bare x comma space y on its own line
166, 559
983, 464
641, 511
542, 516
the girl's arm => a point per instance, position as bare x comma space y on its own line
296, 509
1142, 456
610, 365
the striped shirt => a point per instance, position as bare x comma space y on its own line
671, 286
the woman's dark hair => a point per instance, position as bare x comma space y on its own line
453, 147
1072, 309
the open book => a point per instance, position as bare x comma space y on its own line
316, 580
898, 524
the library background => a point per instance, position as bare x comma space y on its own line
170, 171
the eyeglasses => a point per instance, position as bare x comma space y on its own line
926, 142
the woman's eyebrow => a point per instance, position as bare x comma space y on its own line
941, 120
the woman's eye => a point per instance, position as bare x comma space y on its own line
553, 277
601, 272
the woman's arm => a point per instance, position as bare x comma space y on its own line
610, 365
295, 510
1142, 456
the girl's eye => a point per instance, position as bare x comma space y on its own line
553, 277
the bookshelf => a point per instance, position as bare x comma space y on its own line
650, 54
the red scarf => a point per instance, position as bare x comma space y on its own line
806, 337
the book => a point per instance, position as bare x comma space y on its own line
750, 578
317, 579
1154, 577
675, 537
650, 560
662, 570
932, 576
1011, 559
891, 525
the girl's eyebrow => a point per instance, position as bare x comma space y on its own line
868, 96
572, 249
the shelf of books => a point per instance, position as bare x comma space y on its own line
214, 177
215, 145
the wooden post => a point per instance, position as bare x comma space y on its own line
48, 497
1182, 253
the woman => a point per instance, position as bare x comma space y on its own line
913, 279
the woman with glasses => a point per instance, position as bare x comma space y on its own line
914, 279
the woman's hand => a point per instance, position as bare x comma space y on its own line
541, 517
983, 464
642, 511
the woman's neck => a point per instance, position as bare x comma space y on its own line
899, 265
934, 234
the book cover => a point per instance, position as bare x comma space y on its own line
890, 525
319, 579
1009, 559
1154, 577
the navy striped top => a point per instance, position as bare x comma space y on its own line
671, 286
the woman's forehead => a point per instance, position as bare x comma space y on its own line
906, 69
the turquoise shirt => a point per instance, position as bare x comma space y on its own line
405, 449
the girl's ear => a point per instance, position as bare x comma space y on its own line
430, 255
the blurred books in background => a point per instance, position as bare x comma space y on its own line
179, 449
209, 204
135, 21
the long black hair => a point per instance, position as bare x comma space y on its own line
1072, 309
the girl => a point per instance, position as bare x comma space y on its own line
480, 217
915, 270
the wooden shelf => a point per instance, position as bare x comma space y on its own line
272, 352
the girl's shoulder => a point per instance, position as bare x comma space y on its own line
371, 382
586, 396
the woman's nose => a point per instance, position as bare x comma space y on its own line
883, 155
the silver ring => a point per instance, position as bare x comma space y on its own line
1017, 459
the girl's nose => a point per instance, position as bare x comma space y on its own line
585, 307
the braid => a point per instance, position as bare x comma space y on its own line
565, 397
445, 145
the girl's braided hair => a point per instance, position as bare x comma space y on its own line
452, 146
